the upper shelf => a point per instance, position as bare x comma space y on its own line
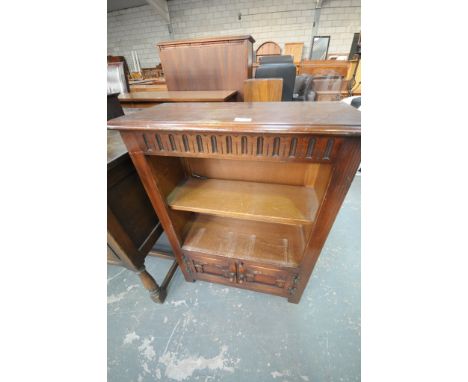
246, 200
331, 118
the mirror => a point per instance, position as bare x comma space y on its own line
319, 48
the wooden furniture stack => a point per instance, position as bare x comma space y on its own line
218, 63
246, 192
344, 69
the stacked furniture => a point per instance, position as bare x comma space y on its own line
246, 192
219, 63
330, 78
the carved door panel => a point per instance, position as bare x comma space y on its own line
272, 279
212, 269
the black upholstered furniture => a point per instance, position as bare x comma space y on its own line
114, 109
284, 70
277, 59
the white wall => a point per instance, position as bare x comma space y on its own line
136, 29
277, 20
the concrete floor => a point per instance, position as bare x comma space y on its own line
208, 332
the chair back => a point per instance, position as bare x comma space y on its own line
263, 90
276, 59
286, 71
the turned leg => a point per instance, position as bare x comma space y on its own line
157, 293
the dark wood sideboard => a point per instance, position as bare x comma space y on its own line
246, 192
217, 63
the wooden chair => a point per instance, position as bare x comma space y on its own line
268, 48
263, 90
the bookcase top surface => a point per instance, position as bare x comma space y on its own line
203, 40
336, 118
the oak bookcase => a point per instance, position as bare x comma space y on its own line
246, 192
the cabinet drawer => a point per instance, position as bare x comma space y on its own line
272, 280
213, 269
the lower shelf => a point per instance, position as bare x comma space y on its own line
267, 202
276, 244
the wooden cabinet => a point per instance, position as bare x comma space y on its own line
242, 274
246, 192
218, 63
212, 268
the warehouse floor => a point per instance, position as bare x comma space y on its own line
208, 332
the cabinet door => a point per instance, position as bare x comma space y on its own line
213, 269
270, 280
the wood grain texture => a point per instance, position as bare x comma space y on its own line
263, 90
242, 273
177, 96
268, 48
220, 63
283, 153
247, 200
294, 49
330, 118
148, 88
154, 193
343, 174
247, 240
324, 67
290, 173
132, 225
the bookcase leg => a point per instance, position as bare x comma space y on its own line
157, 293
295, 298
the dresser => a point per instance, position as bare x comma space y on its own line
247, 193
216, 63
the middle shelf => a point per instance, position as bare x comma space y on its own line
267, 202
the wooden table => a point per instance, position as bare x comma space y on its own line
148, 99
148, 81
132, 225
148, 88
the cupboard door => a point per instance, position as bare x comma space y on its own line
272, 280
213, 269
